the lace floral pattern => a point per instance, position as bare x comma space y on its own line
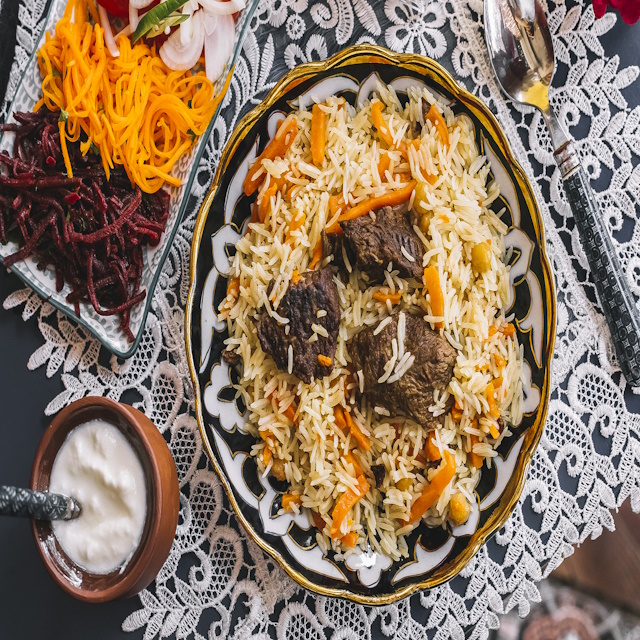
217, 583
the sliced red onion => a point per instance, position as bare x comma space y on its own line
186, 28
218, 47
139, 4
181, 57
133, 18
210, 21
108, 33
217, 7
239, 4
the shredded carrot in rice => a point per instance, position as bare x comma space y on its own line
474, 458
349, 539
356, 432
376, 117
265, 202
490, 394
325, 361
347, 500
296, 224
285, 135
382, 296
434, 489
351, 459
289, 499
317, 255
431, 449
432, 282
441, 126
318, 133
383, 165
390, 199
338, 415
135, 110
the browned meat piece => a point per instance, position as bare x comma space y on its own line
332, 245
378, 471
411, 394
314, 292
425, 109
376, 244
232, 358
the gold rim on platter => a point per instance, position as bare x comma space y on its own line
372, 54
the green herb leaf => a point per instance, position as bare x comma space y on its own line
63, 116
192, 135
94, 149
171, 21
68, 214
155, 16
55, 73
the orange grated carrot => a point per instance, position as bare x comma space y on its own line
434, 489
277, 148
356, 432
350, 539
317, 255
383, 165
139, 113
347, 500
382, 296
490, 394
336, 204
325, 361
233, 288
266, 456
289, 499
431, 449
351, 459
265, 202
338, 415
378, 121
476, 460
295, 276
508, 330
296, 223
441, 126
318, 133
391, 198
432, 282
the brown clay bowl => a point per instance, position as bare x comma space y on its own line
163, 502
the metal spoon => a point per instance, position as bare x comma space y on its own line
521, 54
41, 505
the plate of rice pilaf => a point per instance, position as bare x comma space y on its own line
369, 324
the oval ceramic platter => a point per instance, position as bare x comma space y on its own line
435, 555
106, 329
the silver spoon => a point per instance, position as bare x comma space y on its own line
521, 54
41, 505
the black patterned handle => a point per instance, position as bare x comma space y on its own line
616, 299
40, 505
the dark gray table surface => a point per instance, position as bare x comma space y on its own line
31, 606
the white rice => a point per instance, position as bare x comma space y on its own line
312, 452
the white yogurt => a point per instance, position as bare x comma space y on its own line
98, 467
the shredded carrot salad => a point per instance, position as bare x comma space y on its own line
133, 109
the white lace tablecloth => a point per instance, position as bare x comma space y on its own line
588, 461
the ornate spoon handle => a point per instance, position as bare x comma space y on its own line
615, 297
40, 505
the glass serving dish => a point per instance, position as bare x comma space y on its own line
106, 329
